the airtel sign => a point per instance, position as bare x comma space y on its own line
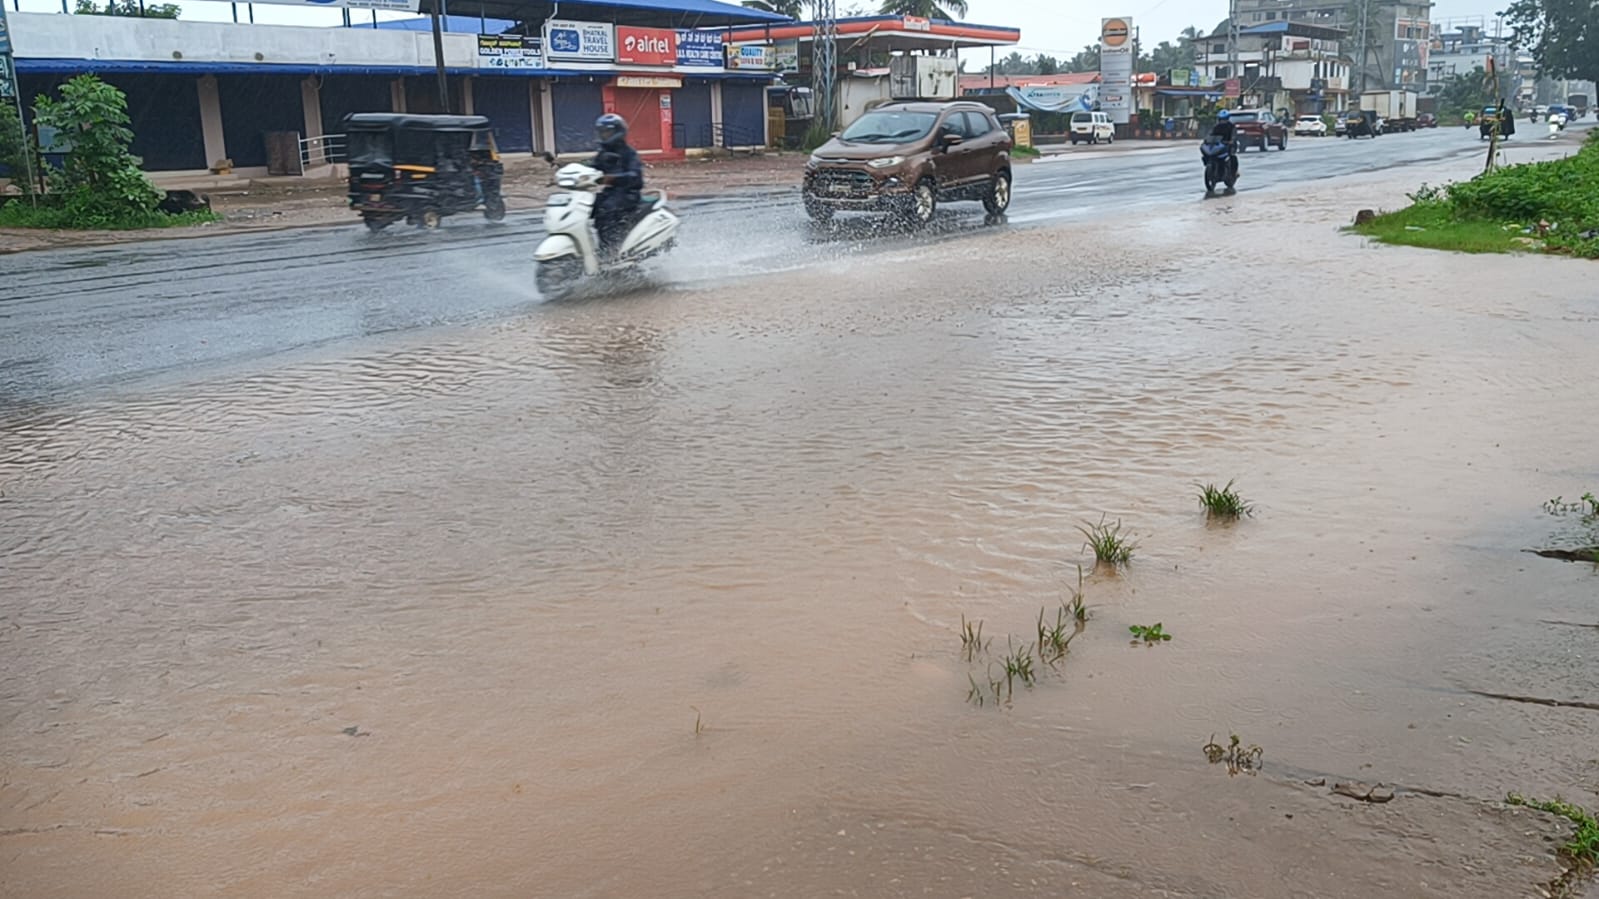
646, 46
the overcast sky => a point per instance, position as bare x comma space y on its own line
1058, 27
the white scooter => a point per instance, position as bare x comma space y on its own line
571, 251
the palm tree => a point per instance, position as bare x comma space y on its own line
926, 9
794, 9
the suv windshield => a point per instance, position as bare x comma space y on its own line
889, 127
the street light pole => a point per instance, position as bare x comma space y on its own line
438, 60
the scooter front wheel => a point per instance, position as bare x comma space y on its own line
556, 278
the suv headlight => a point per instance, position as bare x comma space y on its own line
885, 162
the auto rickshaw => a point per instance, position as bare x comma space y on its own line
1496, 117
421, 168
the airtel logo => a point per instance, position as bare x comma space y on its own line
648, 44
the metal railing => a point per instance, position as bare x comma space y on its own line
319, 151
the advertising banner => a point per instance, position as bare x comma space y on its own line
1116, 68
646, 46
580, 41
752, 57
786, 56
1054, 99
701, 49
510, 51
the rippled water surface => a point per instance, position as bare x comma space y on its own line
658, 595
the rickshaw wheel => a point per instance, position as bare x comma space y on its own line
375, 222
494, 210
430, 219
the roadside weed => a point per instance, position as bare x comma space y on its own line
1584, 844
1150, 634
1223, 502
1108, 543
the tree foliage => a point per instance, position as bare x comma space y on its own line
16, 151
1461, 94
794, 9
1563, 35
927, 9
101, 184
129, 8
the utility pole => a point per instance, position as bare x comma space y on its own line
824, 59
1360, 71
1232, 41
438, 60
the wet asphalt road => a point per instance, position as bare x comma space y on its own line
103, 318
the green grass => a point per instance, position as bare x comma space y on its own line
19, 213
972, 642
1026, 152
1493, 211
1223, 502
1433, 226
1149, 633
1583, 847
1106, 539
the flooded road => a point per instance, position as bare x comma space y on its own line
660, 594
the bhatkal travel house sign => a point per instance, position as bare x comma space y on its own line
580, 41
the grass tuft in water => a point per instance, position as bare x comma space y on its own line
699, 724
1055, 639
1106, 539
972, 642
1583, 848
1223, 502
1018, 666
1238, 758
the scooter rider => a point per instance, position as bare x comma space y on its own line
1225, 130
624, 179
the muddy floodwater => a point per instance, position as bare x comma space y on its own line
660, 595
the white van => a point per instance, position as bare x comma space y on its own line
1092, 127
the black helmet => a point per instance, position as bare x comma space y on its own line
610, 129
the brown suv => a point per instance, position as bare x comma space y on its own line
906, 158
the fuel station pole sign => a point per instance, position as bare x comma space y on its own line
1116, 48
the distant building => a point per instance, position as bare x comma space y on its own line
1388, 40
1282, 65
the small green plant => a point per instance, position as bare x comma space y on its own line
699, 724
975, 694
1223, 502
1583, 848
1106, 539
1150, 634
1238, 758
1587, 506
972, 642
1018, 666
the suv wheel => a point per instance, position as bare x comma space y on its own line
997, 199
923, 202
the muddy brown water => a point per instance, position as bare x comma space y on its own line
437, 616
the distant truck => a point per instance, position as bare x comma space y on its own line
1397, 109
1578, 104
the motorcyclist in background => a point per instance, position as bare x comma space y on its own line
624, 179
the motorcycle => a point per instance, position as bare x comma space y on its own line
1221, 164
571, 253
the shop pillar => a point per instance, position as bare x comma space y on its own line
216, 148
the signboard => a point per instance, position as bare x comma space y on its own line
510, 51
1055, 99
1179, 77
917, 23
580, 41
785, 56
752, 56
701, 49
1232, 88
646, 46
1116, 68
380, 5
5, 33
8, 80
662, 81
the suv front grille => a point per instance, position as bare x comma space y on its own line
843, 183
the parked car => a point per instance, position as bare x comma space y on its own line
1538, 112
1426, 120
1310, 126
906, 158
1259, 129
1340, 125
1092, 127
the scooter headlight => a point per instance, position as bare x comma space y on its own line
560, 200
